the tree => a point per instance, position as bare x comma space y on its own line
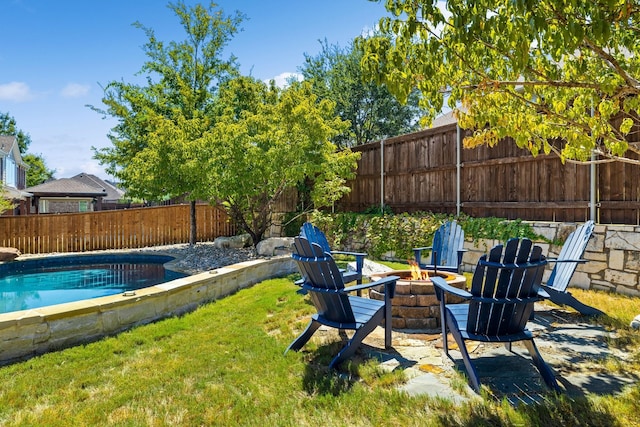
374, 113
5, 204
268, 140
38, 171
160, 125
8, 126
556, 75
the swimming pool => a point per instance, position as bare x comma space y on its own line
45, 281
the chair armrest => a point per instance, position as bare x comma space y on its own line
581, 260
442, 284
388, 282
356, 254
359, 259
423, 248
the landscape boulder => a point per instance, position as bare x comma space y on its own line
275, 246
9, 254
635, 323
233, 242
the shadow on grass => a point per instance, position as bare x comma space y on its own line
554, 411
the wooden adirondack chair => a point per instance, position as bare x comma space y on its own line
503, 290
336, 308
446, 250
315, 235
566, 264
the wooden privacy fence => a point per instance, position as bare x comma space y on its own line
121, 229
426, 171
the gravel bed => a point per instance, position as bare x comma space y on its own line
193, 259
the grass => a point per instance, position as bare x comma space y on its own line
223, 365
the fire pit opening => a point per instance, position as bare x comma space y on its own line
415, 305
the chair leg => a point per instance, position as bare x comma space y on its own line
350, 348
544, 369
471, 370
302, 339
565, 298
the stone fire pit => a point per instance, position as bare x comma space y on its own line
415, 305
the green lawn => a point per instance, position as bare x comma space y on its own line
223, 365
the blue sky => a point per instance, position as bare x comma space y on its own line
56, 56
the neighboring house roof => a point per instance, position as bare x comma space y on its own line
66, 187
443, 120
8, 144
14, 193
113, 194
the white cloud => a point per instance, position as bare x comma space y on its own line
15, 91
282, 79
75, 90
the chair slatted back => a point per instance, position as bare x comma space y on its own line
447, 241
315, 235
573, 249
323, 281
504, 288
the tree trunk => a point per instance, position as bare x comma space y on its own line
192, 233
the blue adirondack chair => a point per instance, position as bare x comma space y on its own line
315, 235
446, 250
566, 263
336, 308
504, 288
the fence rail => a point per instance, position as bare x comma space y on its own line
421, 172
121, 229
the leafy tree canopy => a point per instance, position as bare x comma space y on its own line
38, 171
556, 75
158, 123
8, 126
267, 140
161, 124
372, 111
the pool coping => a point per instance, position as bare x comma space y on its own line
28, 333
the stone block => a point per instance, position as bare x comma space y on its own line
623, 240
403, 288
422, 288
546, 231
625, 290
595, 256
398, 323
616, 259
9, 254
404, 300
601, 285
621, 278
596, 243
580, 280
426, 300
632, 261
414, 312
592, 267
428, 323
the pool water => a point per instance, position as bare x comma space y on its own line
55, 280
